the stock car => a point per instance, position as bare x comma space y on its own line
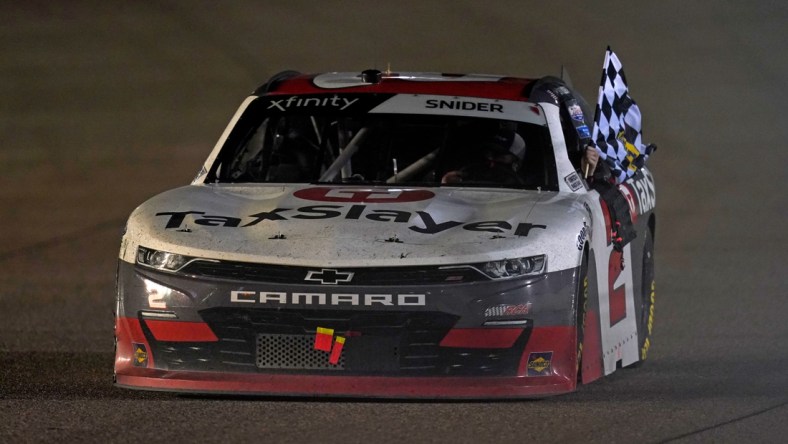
382, 234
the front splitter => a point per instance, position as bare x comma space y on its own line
348, 386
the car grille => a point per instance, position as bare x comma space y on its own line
292, 352
377, 343
245, 271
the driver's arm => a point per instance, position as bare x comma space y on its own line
589, 161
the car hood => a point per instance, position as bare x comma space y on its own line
350, 226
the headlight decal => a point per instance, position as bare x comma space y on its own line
509, 268
161, 260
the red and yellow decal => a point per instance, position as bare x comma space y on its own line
323, 339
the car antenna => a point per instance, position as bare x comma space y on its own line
565, 76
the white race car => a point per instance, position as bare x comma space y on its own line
390, 235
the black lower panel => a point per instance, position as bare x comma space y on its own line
376, 343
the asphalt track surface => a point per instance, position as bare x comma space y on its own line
103, 104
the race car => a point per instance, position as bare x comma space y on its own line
382, 234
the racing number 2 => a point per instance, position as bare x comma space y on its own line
616, 293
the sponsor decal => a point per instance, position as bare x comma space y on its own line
573, 180
626, 191
583, 131
329, 276
284, 104
323, 194
324, 341
323, 338
650, 324
504, 310
336, 351
423, 222
581, 237
646, 194
576, 113
308, 298
140, 355
464, 105
539, 364
590, 213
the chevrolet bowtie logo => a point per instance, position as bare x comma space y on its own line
329, 276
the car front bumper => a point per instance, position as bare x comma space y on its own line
460, 344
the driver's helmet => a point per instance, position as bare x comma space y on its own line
497, 160
506, 147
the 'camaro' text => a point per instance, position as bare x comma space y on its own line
277, 297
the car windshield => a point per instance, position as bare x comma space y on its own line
328, 146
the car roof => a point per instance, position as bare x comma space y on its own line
373, 81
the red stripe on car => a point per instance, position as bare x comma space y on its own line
481, 337
179, 331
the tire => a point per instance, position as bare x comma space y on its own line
647, 296
582, 308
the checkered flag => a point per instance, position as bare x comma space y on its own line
617, 127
